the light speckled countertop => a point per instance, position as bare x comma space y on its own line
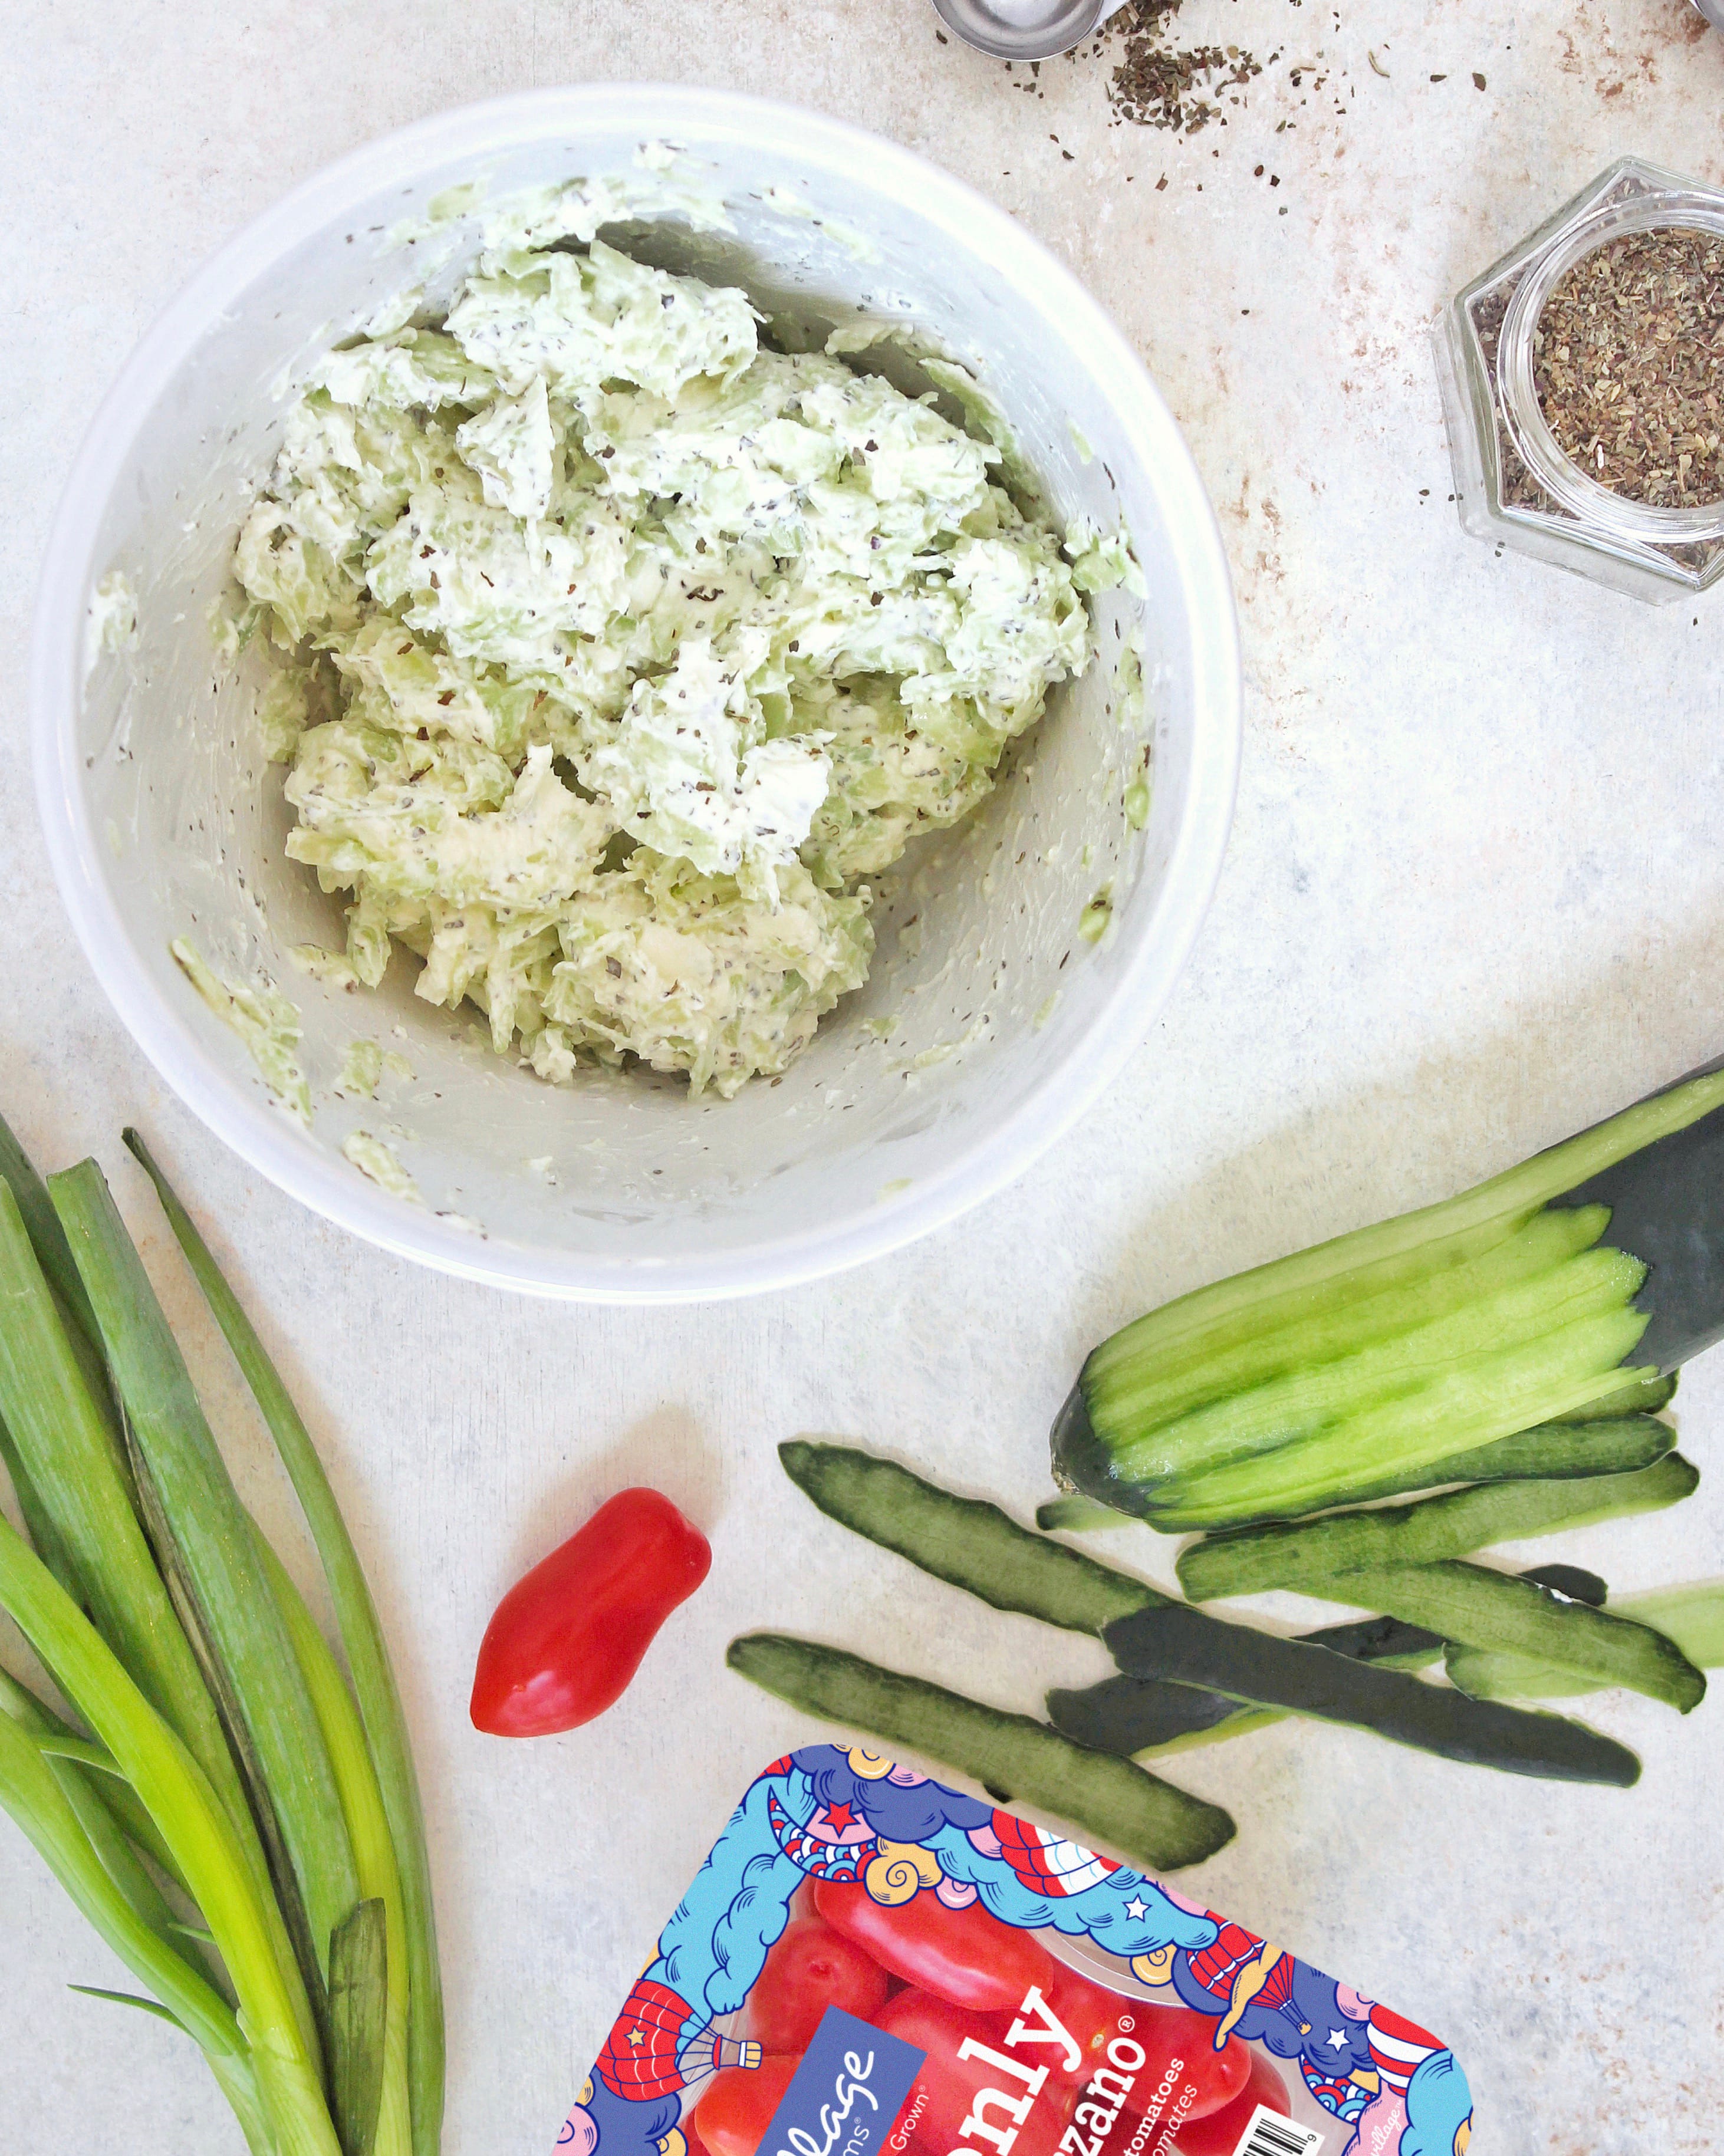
1475, 899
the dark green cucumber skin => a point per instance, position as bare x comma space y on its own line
965, 1540
1136, 1714
1571, 1582
1550, 1450
1130, 1715
1082, 1461
1260, 1670
1150, 1823
1648, 1396
1667, 1209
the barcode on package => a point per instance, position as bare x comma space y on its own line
1271, 2134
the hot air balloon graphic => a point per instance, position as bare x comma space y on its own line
659, 2045
1046, 1863
1232, 1972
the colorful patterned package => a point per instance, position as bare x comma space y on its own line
870, 1964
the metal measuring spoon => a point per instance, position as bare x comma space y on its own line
1713, 10
1025, 29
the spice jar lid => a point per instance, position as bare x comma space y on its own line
1604, 507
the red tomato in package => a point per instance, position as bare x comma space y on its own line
565, 1639
1091, 2013
947, 2084
1221, 2132
737, 2106
1171, 2033
963, 1956
811, 1968
1089, 2010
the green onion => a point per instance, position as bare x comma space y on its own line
388, 2129
38, 1803
86, 1791
180, 1801
361, 1635
38, 1522
48, 1238
213, 1544
358, 2011
117, 1796
65, 1442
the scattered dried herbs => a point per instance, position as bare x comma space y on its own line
1629, 367
1157, 85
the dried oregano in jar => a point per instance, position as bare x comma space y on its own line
1629, 366
1583, 378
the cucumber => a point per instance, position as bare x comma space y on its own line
1475, 1607
1309, 1555
966, 1541
1076, 1515
1128, 1715
1596, 1446
1146, 1714
1575, 1281
1015, 1759
1260, 1669
1692, 1616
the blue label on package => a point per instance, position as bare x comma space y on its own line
843, 2096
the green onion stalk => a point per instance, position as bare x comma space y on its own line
234, 1813
178, 1798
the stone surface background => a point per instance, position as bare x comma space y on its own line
1474, 900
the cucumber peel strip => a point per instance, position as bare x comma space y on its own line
965, 1540
1629, 1435
1474, 1607
1692, 1616
1259, 1669
1454, 1525
1015, 1759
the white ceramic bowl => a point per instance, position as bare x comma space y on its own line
163, 819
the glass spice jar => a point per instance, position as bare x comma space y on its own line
1514, 484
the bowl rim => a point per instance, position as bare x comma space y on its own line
267, 1140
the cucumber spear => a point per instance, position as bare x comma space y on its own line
1589, 1271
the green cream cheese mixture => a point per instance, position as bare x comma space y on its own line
618, 651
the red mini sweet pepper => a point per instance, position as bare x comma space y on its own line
567, 1639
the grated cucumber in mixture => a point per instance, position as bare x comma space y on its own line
619, 651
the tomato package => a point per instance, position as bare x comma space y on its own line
870, 1964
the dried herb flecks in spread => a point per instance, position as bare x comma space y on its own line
1629, 367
